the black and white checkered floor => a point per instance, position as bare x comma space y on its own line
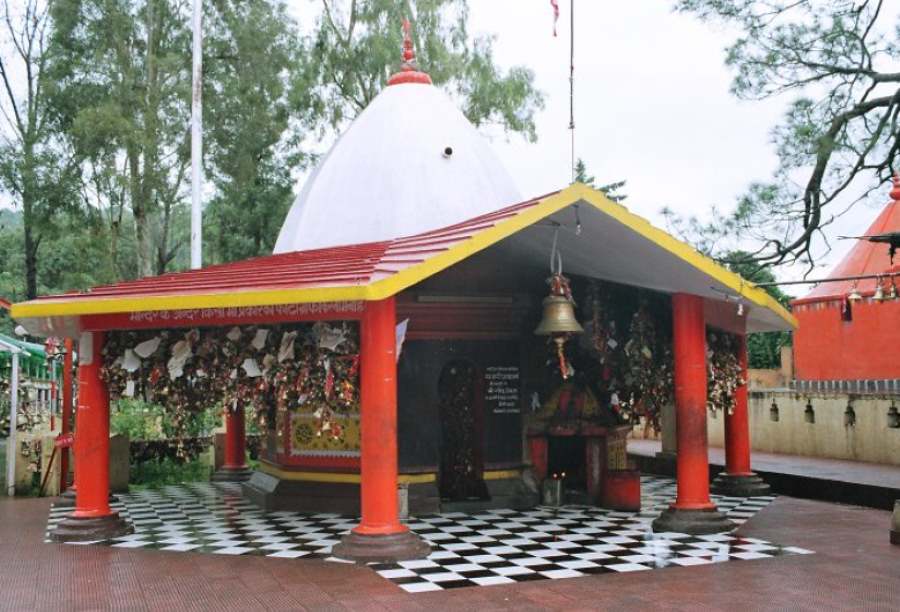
492, 547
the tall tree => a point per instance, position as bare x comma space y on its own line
840, 135
357, 45
259, 94
35, 168
124, 77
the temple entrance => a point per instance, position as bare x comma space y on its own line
460, 407
566, 455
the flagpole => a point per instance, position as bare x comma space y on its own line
572, 80
197, 139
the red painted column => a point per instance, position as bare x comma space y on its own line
689, 340
235, 440
737, 424
66, 421
538, 448
92, 439
378, 420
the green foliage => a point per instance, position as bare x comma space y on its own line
149, 474
839, 135
122, 73
141, 420
610, 190
258, 92
100, 176
764, 349
356, 47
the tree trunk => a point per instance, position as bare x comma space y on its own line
143, 246
31, 246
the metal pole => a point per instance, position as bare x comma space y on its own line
197, 141
53, 395
572, 80
11, 441
836, 279
66, 417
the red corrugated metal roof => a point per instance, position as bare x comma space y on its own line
864, 258
350, 265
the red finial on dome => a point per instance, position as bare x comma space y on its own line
409, 73
895, 192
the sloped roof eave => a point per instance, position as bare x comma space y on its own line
426, 255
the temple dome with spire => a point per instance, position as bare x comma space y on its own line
409, 163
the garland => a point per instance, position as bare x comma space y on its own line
724, 374
270, 369
648, 373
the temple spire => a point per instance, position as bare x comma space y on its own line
409, 72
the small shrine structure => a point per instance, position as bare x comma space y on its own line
388, 346
849, 327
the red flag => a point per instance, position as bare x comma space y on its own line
555, 5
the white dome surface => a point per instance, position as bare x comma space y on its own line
388, 177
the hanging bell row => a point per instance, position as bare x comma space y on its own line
880, 294
559, 317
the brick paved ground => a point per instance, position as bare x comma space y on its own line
854, 568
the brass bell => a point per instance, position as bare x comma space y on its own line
879, 293
854, 294
559, 317
892, 292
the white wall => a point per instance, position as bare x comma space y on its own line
869, 440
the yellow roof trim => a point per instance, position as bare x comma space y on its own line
271, 297
408, 277
685, 252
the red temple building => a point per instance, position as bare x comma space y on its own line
849, 330
389, 350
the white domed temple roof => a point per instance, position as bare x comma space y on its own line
411, 162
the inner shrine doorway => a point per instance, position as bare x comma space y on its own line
461, 408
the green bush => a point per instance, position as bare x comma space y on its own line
149, 474
140, 420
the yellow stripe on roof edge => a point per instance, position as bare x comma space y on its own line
687, 253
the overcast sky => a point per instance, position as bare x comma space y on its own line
652, 107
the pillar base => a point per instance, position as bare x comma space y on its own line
740, 485
405, 546
694, 522
74, 529
241, 474
67, 499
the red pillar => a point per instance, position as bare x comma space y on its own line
379, 536
378, 398
737, 424
689, 339
692, 512
738, 480
234, 467
92, 518
92, 444
235, 440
